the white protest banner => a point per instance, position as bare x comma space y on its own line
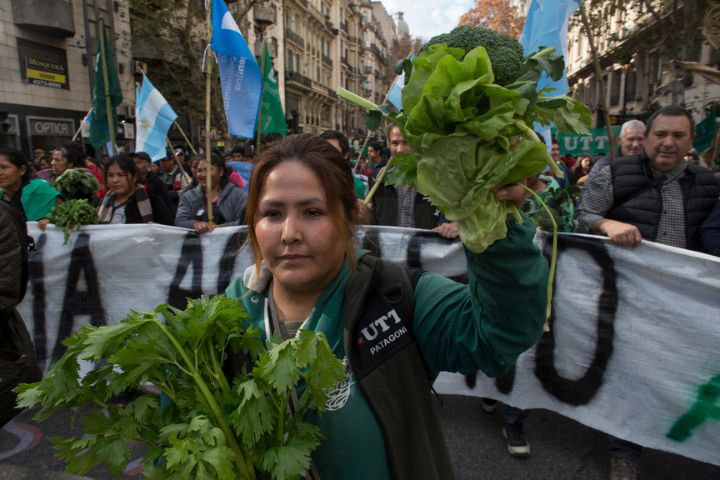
633, 347
106, 270
632, 350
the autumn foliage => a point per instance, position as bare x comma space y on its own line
496, 15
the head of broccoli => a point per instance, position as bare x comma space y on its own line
506, 54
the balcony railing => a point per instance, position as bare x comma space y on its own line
377, 52
327, 59
294, 37
291, 76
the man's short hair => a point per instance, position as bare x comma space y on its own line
672, 111
632, 125
340, 137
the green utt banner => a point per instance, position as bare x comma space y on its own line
594, 144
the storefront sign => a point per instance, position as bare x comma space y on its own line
45, 73
50, 127
43, 65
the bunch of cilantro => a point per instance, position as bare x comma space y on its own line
214, 426
469, 134
73, 214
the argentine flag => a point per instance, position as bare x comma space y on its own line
546, 25
153, 116
394, 95
240, 76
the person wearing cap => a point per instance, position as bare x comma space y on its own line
169, 171
150, 180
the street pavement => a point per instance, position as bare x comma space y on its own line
562, 449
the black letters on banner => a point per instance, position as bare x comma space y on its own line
425, 239
191, 254
582, 391
227, 262
79, 302
37, 284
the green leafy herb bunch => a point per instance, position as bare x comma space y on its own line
73, 214
469, 135
213, 421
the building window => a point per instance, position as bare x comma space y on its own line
631, 87
614, 88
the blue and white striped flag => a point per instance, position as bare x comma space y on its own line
240, 76
546, 25
153, 116
394, 96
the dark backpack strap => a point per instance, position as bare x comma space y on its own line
396, 284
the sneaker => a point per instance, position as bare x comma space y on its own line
488, 405
517, 445
623, 469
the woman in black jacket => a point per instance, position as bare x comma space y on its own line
127, 201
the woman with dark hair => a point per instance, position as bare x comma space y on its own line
127, 201
582, 169
228, 201
381, 421
36, 197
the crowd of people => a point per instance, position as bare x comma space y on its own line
307, 195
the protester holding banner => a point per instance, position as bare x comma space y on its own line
127, 201
382, 423
36, 197
228, 201
655, 196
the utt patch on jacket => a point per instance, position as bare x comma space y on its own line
379, 339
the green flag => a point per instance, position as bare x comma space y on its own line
705, 131
272, 117
100, 133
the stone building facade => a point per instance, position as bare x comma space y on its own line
638, 77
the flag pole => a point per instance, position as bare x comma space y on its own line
184, 174
192, 149
362, 149
367, 137
258, 127
82, 123
106, 82
208, 77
